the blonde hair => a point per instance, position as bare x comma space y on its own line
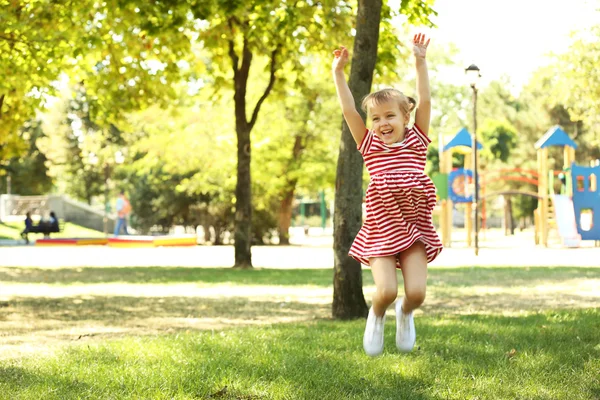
407, 104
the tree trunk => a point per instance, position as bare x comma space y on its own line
285, 217
243, 188
287, 198
511, 220
242, 233
207, 236
218, 235
509, 223
348, 298
505, 219
243, 202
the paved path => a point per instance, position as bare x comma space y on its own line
277, 257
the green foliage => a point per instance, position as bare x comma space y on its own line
84, 165
264, 26
182, 169
157, 203
577, 80
566, 93
121, 56
125, 53
30, 59
294, 143
29, 172
499, 138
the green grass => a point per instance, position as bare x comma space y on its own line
12, 230
555, 356
9, 231
483, 333
443, 277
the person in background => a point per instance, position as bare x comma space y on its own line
52, 224
123, 209
28, 226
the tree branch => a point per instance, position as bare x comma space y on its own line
9, 39
234, 58
29, 42
1, 104
246, 59
268, 88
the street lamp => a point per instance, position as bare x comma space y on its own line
473, 76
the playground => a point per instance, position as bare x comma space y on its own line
572, 212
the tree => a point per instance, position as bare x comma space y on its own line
236, 34
348, 298
499, 139
578, 83
295, 150
28, 173
125, 52
30, 59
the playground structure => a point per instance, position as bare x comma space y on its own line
448, 181
123, 241
575, 213
579, 193
307, 207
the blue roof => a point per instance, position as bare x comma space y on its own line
555, 137
462, 138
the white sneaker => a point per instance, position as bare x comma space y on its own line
406, 336
373, 339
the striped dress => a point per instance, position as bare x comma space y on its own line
400, 199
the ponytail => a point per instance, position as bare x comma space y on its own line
412, 103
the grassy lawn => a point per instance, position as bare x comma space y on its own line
199, 333
12, 230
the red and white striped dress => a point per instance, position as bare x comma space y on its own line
400, 199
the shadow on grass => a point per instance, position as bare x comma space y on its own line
443, 301
146, 315
452, 277
10, 232
508, 276
144, 275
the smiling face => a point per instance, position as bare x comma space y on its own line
389, 122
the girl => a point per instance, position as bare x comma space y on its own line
398, 231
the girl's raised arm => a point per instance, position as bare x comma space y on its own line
423, 113
351, 115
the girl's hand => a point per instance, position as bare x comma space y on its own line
420, 45
340, 59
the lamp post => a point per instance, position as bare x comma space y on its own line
473, 75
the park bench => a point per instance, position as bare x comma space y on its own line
46, 228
